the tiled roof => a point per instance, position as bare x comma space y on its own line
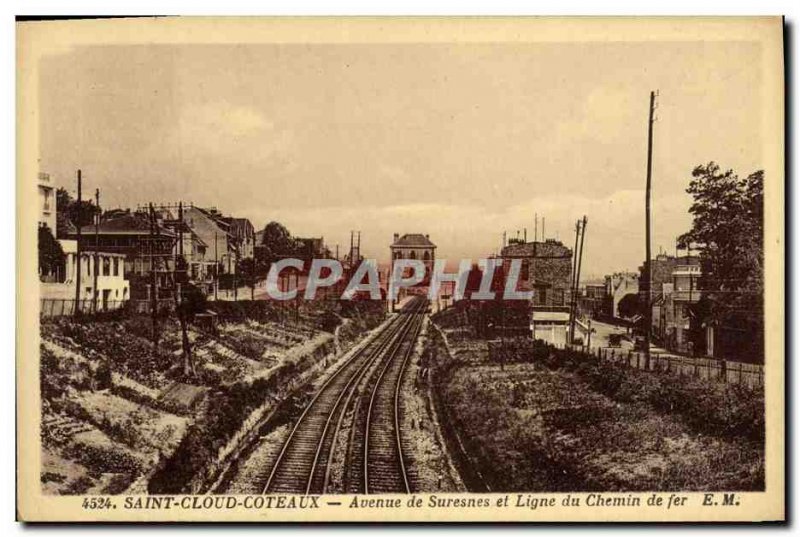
239, 225
413, 239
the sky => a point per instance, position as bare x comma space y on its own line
460, 141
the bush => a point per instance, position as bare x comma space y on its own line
103, 458
708, 407
79, 486
233, 403
102, 376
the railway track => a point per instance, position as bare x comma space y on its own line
385, 468
304, 462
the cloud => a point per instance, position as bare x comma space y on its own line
614, 240
606, 114
221, 128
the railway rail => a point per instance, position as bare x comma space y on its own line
375, 371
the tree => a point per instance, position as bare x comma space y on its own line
248, 268
190, 302
68, 212
728, 231
51, 255
630, 306
276, 243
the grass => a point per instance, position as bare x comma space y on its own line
535, 429
558, 421
103, 377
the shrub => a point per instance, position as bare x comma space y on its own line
708, 407
102, 458
102, 376
79, 486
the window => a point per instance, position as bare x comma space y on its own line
426, 256
106, 266
558, 297
540, 295
116, 266
413, 255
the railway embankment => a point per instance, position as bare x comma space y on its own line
353, 430
546, 419
235, 412
257, 450
432, 465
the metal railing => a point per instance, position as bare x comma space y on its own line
713, 369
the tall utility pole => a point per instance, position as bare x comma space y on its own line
350, 254
77, 311
216, 267
580, 229
153, 280
535, 227
570, 335
580, 263
648, 312
188, 363
180, 228
96, 247
238, 245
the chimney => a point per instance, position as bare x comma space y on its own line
396, 237
427, 236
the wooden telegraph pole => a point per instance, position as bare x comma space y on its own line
648, 312
96, 248
216, 267
77, 311
580, 231
570, 332
153, 280
578, 275
238, 245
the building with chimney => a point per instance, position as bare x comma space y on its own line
221, 243
546, 269
141, 250
244, 235
414, 246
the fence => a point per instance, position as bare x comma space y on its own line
706, 368
60, 307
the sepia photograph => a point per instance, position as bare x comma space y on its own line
398, 269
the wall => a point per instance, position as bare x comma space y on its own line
549, 270
211, 234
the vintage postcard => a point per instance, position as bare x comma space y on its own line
401, 270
